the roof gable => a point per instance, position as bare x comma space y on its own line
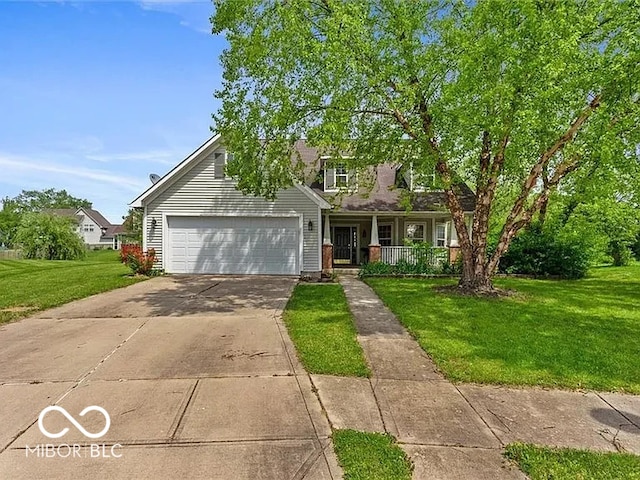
176, 172
193, 159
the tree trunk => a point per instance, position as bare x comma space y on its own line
476, 277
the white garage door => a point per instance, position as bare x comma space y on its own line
239, 245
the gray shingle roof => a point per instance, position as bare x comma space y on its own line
385, 196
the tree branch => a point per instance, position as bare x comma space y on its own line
516, 211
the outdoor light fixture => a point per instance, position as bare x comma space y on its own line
310, 226
154, 222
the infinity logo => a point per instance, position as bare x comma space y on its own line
74, 422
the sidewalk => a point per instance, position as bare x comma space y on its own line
455, 431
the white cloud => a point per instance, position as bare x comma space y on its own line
193, 14
164, 157
15, 167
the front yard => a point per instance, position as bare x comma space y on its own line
569, 334
544, 463
321, 327
27, 286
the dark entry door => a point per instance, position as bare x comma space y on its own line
344, 245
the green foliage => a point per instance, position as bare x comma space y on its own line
49, 237
39, 200
9, 221
635, 247
360, 66
543, 252
141, 263
426, 261
454, 268
611, 226
577, 334
376, 268
404, 267
544, 463
321, 327
32, 201
370, 456
433, 82
132, 225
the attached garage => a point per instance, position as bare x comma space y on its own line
233, 245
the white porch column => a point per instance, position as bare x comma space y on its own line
326, 237
375, 251
433, 232
374, 231
327, 247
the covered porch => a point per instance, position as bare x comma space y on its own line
350, 240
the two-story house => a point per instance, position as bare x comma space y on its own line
95, 230
198, 222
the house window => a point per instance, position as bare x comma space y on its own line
416, 232
88, 227
419, 182
384, 235
441, 235
337, 177
423, 182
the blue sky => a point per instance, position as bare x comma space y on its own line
94, 96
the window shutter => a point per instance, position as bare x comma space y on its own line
330, 179
218, 168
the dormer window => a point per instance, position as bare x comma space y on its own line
337, 177
419, 182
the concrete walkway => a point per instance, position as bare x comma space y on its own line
458, 431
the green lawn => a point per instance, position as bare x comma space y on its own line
542, 463
27, 286
370, 456
571, 334
321, 327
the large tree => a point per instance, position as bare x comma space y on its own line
32, 201
49, 237
39, 200
132, 225
512, 97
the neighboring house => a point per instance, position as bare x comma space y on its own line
198, 222
95, 230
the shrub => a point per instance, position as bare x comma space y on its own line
543, 253
454, 268
49, 237
375, 268
404, 267
635, 248
620, 252
127, 248
141, 263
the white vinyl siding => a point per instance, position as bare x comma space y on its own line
199, 193
91, 233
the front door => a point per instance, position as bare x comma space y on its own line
344, 245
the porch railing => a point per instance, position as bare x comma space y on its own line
434, 256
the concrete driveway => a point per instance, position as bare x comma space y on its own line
197, 374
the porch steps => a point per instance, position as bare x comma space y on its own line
346, 271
